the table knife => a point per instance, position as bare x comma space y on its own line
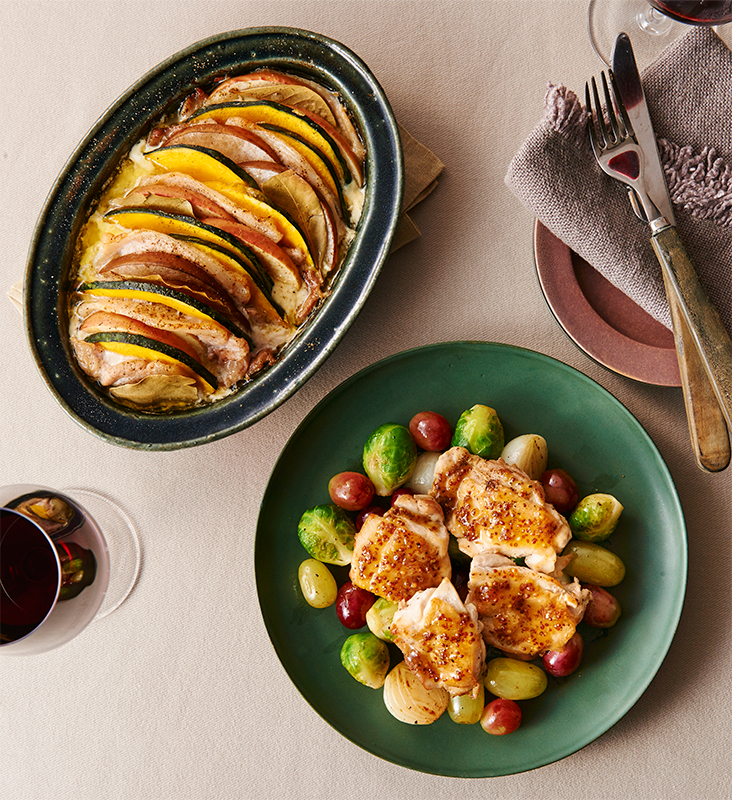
703, 346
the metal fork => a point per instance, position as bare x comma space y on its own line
620, 157
614, 146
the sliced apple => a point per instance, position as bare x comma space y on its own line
295, 95
136, 218
296, 120
298, 198
155, 293
234, 142
149, 347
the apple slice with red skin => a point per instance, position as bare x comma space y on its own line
233, 141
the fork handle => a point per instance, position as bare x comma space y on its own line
704, 350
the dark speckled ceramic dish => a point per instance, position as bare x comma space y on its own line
79, 184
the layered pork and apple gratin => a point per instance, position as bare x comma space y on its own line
217, 238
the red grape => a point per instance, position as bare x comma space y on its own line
431, 431
603, 609
501, 716
561, 663
560, 490
364, 512
351, 491
352, 603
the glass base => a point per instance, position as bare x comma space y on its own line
650, 32
123, 544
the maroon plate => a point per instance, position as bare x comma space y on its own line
600, 319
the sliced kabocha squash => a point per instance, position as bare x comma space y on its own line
275, 87
173, 298
137, 218
178, 273
291, 158
202, 163
220, 266
298, 121
147, 348
224, 354
234, 202
291, 234
283, 271
317, 161
234, 142
341, 119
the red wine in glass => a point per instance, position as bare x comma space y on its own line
696, 12
29, 576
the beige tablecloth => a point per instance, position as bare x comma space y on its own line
179, 693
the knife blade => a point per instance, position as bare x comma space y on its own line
631, 91
703, 346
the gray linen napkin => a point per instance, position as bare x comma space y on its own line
554, 174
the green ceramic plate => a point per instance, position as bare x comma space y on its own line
591, 435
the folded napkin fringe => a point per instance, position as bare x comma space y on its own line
699, 182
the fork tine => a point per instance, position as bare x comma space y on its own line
596, 147
621, 106
603, 141
616, 133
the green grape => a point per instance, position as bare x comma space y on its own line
514, 680
466, 710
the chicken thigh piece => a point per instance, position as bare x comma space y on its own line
494, 507
404, 551
522, 611
441, 641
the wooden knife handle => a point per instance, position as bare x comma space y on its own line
704, 351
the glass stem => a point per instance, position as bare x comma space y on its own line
654, 22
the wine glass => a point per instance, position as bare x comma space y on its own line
66, 558
651, 24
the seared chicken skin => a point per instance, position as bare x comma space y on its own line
494, 507
522, 611
404, 551
441, 641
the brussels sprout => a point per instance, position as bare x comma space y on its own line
389, 457
529, 453
480, 432
379, 618
327, 533
366, 657
595, 517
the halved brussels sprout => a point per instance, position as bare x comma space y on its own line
328, 534
480, 432
379, 618
389, 457
594, 518
529, 453
366, 658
